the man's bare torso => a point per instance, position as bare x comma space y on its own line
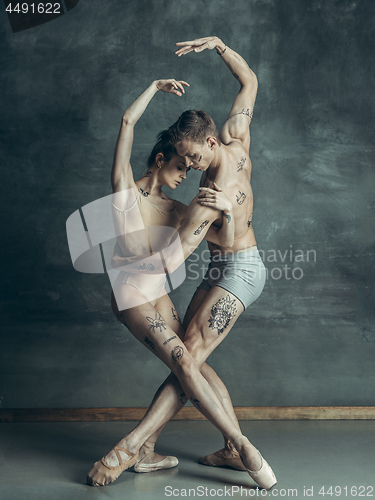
233, 177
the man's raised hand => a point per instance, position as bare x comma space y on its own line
172, 86
209, 42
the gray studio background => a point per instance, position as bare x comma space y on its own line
63, 89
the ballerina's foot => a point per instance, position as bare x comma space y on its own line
223, 458
153, 461
108, 469
257, 468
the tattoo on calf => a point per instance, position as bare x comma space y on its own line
240, 198
168, 340
145, 266
183, 398
148, 342
200, 228
241, 164
222, 313
177, 352
196, 403
228, 217
156, 323
175, 315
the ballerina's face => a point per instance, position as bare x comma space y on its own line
174, 171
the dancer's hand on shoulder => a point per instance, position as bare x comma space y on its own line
172, 86
209, 42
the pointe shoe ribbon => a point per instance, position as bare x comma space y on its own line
265, 476
218, 459
167, 463
102, 474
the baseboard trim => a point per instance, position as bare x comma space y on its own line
187, 413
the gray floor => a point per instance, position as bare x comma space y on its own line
51, 460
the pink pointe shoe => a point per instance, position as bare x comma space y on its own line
265, 476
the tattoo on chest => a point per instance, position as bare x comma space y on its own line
222, 313
148, 173
145, 193
241, 164
168, 340
240, 198
157, 323
145, 266
175, 315
177, 352
201, 227
228, 217
149, 343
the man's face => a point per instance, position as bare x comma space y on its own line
196, 154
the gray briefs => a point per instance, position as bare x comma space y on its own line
242, 273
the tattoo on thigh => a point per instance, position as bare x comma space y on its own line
222, 313
145, 266
148, 342
121, 318
240, 198
183, 398
175, 315
241, 164
156, 323
177, 352
168, 340
200, 228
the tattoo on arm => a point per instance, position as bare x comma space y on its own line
148, 342
240, 198
222, 313
168, 340
241, 164
215, 246
201, 227
177, 352
156, 323
245, 112
145, 266
228, 217
175, 315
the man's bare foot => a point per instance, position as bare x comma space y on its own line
108, 469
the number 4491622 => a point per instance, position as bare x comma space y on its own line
353, 491
40, 8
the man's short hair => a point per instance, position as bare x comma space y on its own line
193, 125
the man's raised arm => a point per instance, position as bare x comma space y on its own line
237, 125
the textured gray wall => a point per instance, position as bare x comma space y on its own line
64, 86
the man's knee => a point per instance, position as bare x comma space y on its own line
196, 344
182, 363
